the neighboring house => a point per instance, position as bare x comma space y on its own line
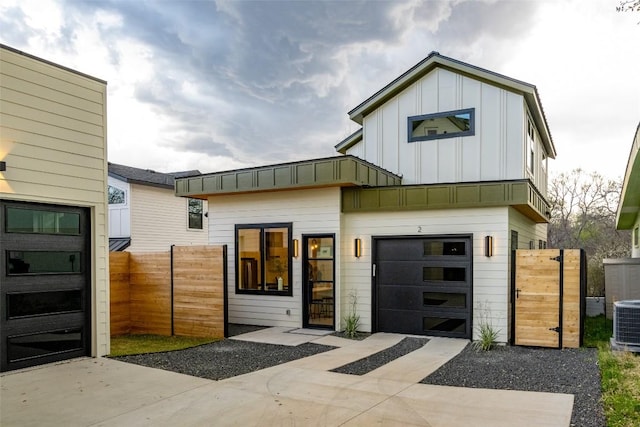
54, 268
146, 216
412, 228
628, 215
622, 275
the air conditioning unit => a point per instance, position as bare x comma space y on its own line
626, 325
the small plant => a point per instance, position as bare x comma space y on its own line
352, 320
488, 334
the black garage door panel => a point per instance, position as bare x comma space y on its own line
45, 284
423, 285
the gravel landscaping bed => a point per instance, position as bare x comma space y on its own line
225, 358
368, 364
573, 371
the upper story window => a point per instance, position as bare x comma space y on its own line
447, 124
195, 214
116, 195
531, 143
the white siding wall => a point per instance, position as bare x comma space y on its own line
159, 219
495, 152
490, 277
120, 215
310, 211
53, 128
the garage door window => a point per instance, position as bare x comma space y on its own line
440, 248
443, 324
444, 299
43, 262
38, 303
444, 274
43, 344
35, 221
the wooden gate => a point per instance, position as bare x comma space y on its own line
548, 297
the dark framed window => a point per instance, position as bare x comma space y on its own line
514, 240
195, 214
447, 124
263, 259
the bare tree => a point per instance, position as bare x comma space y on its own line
583, 215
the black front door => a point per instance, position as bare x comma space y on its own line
318, 289
45, 270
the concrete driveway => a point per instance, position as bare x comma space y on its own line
105, 392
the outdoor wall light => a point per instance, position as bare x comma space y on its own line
295, 248
358, 248
488, 246
3, 166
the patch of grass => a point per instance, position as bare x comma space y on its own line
620, 373
126, 345
597, 330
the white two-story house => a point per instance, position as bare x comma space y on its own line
412, 226
146, 216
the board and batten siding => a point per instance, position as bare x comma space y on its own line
120, 214
312, 211
490, 277
495, 152
159, 219
53, 138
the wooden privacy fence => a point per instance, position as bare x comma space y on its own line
179, 292
548, 295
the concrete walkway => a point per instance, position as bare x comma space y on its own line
105, 392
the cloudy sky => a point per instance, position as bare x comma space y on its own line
217, 85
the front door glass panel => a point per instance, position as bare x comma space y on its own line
319, 270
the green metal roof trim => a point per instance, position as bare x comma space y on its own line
521, 195
629, 205
342, 171
435, 60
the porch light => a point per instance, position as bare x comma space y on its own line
488, 246
358, 248
295, 248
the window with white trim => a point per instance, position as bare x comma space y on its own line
116, 196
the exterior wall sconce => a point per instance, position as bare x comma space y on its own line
488, 246
295, 248
358, 248
3, 166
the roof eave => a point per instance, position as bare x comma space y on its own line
349, 142
629, 204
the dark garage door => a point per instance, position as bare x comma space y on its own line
44, 284
423, 285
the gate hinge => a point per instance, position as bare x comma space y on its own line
556, 329
556, 258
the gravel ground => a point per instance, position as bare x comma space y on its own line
573, 371
225, 358
368, 364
